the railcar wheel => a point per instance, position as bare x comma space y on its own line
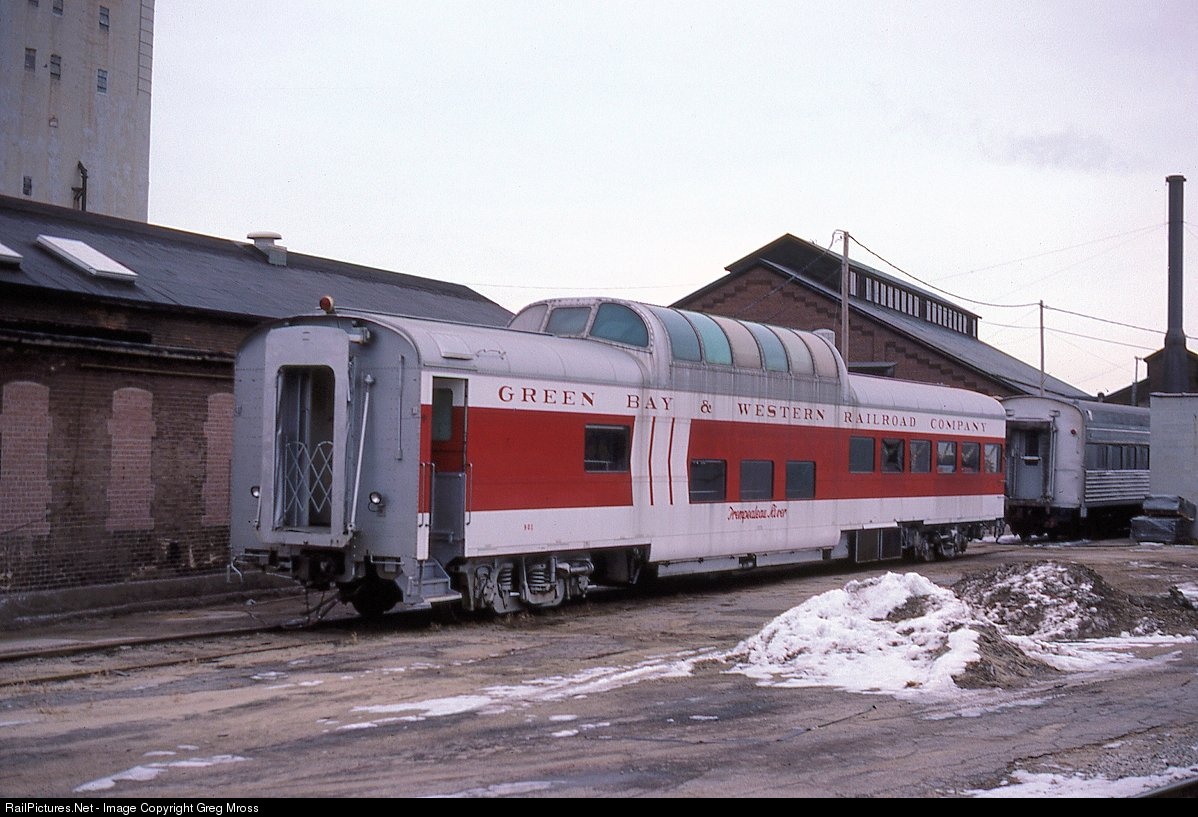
372, 598
946, 549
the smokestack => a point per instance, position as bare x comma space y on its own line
1176, 365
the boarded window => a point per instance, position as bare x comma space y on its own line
756, 480
800, 479
861, 455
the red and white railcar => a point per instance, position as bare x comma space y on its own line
592, 441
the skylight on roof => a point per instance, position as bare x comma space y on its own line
9, 256
86, 258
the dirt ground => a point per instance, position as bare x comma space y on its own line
616, 696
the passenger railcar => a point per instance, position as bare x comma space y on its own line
1076, 467
591, 441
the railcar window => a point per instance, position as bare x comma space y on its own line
921, 457
708, 480
1129, 457
606, 448
1142, 457
971, 456
442, 428
861, 455
756, 480
716, 348
1114, 457
892, 456
530, 319
771, 347
946, 457
800, 479
992, 458
684, 343
619, 323
1095, 457
568, 320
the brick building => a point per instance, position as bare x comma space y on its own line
116, 360
895, 328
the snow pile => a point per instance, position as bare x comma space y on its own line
903, 634
1045, 600
885, 634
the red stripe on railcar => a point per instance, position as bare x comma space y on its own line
534, 459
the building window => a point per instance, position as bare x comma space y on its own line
101, 81
756, 480
55, 66
104, 17
606, 448
57, 7
27, 185
30, 59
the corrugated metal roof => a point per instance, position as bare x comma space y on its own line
200, 272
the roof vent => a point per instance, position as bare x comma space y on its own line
828, 335
265, 242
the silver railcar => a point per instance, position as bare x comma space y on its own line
1075, 467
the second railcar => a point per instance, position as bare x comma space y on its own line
593, 441
1075, 467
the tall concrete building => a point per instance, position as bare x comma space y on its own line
75, 103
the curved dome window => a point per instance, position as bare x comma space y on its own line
568, 320
771, 347
716, 348
619, 323
684, 343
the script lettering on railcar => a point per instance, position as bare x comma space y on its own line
650, 403
781, 411
745, 514
546, 397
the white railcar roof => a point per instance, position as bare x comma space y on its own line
885, 392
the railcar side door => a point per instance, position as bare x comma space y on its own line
449, 474
1031, 461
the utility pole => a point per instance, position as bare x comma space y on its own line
1042, 348
844, 298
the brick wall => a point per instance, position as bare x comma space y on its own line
113, 466
761, 295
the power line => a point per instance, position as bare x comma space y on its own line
1054, 252
1008, 306
933, 286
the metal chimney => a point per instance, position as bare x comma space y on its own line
1176, 364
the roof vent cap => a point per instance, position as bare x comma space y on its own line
265, 240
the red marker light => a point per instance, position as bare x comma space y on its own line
326, 303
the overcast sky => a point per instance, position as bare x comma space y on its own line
1005, 152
